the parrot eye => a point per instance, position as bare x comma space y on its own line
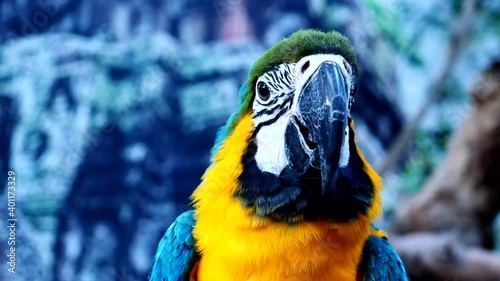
263, 91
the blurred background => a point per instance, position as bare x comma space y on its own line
108, 111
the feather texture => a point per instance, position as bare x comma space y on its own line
176, 256
381, 262
237, 245
258, 226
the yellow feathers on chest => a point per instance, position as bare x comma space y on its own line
236, 245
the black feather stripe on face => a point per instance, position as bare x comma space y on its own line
290, 198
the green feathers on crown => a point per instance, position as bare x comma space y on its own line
300, 44
289, 50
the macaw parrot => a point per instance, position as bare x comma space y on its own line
288, 194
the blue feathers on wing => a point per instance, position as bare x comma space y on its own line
176, 254
381, 262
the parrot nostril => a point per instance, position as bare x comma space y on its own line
305, 66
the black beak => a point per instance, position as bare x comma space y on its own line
321, 122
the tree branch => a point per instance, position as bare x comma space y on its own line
431, 256
458, 38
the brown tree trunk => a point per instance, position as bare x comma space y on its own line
447, 228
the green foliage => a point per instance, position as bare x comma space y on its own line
430, 145
453, 92
388, 24
488, 18
428, 152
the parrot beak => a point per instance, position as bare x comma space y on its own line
321, 121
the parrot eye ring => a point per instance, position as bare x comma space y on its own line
263, 91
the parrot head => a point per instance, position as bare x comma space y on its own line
301, 162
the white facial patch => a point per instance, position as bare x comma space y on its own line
271, 154
344, 150
272, 112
